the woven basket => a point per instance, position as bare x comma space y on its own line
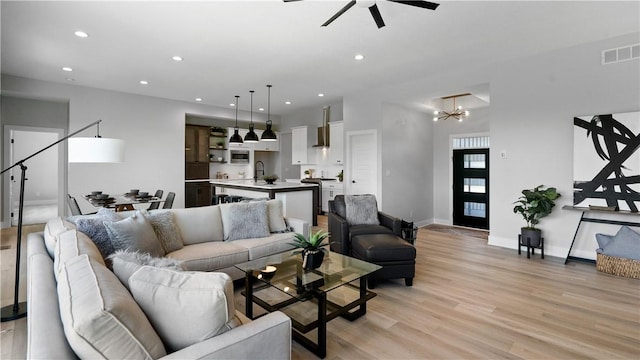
618, 266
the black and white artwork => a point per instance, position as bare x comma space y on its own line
606, 161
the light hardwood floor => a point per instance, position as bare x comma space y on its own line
468, 301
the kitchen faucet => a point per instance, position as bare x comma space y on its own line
255, 176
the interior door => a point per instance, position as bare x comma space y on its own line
471, 188
363, 163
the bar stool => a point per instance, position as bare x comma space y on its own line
218, 199
233, 198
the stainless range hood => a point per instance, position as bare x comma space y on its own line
323, 131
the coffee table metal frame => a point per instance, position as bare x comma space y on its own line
327, 278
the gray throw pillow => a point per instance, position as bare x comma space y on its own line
603, 240
245, 220
361, 209
126, 262
134, 233
93, 227
166, 229
625, 244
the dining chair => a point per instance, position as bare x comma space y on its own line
168, 202
155, 205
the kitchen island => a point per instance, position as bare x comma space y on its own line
298, 200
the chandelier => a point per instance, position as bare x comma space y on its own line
456, 113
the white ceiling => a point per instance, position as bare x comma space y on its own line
231, 47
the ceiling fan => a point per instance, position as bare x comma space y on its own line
373, 8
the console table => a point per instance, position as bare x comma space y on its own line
586, 210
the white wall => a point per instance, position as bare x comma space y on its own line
153, 130
533, 102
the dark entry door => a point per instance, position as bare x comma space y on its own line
471, 188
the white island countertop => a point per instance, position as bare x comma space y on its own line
261, 184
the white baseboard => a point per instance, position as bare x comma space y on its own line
512, 243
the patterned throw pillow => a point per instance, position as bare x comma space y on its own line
93, 226
361, 209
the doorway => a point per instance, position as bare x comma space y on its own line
471, 188
42, 199
362, 156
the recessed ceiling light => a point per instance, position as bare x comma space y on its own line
198, 99
177, 58
232, 104
70, 79
321, 94
81, 34
261, 109
359, 57
288, 102
66, 68
144, 82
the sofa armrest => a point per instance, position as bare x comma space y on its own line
391, 222
339, 231
299, 226
268, 337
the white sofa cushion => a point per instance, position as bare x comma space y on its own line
199, 224
134, 233
245, 220
71, 244
125, 263
52, 229
101, 319
261, 247
209, 256
184, 307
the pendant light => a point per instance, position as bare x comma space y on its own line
268, 134
251, 136
236, 138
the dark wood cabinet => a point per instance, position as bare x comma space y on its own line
196, 143
197, 194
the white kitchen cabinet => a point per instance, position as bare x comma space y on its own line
266, 145
336, 147
329, 191
300, 145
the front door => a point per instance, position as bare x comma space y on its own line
471, 188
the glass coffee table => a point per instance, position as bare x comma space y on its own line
310, 298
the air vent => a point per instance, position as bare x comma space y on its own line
624, 53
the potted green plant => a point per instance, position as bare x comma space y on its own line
340, 175
533, 205
307, 173
270, 179
312, 253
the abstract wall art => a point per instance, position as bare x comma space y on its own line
606, 161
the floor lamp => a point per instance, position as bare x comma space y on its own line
96, 149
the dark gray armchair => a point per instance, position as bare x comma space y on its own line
341, 232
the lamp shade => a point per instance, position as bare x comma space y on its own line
96, 150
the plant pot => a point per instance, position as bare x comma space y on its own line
533, 236
312, 259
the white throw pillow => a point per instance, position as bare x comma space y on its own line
134, 233
125, 263
184, 307
245, 220
100, 318
276, 216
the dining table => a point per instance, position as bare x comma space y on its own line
121, 202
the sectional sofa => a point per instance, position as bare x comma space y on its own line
80, 306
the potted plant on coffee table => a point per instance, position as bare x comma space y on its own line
312, 253
533, 205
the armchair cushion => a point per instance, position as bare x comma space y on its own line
356, 230
361, 209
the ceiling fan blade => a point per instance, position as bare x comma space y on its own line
376, 15
422, 4
342, 11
